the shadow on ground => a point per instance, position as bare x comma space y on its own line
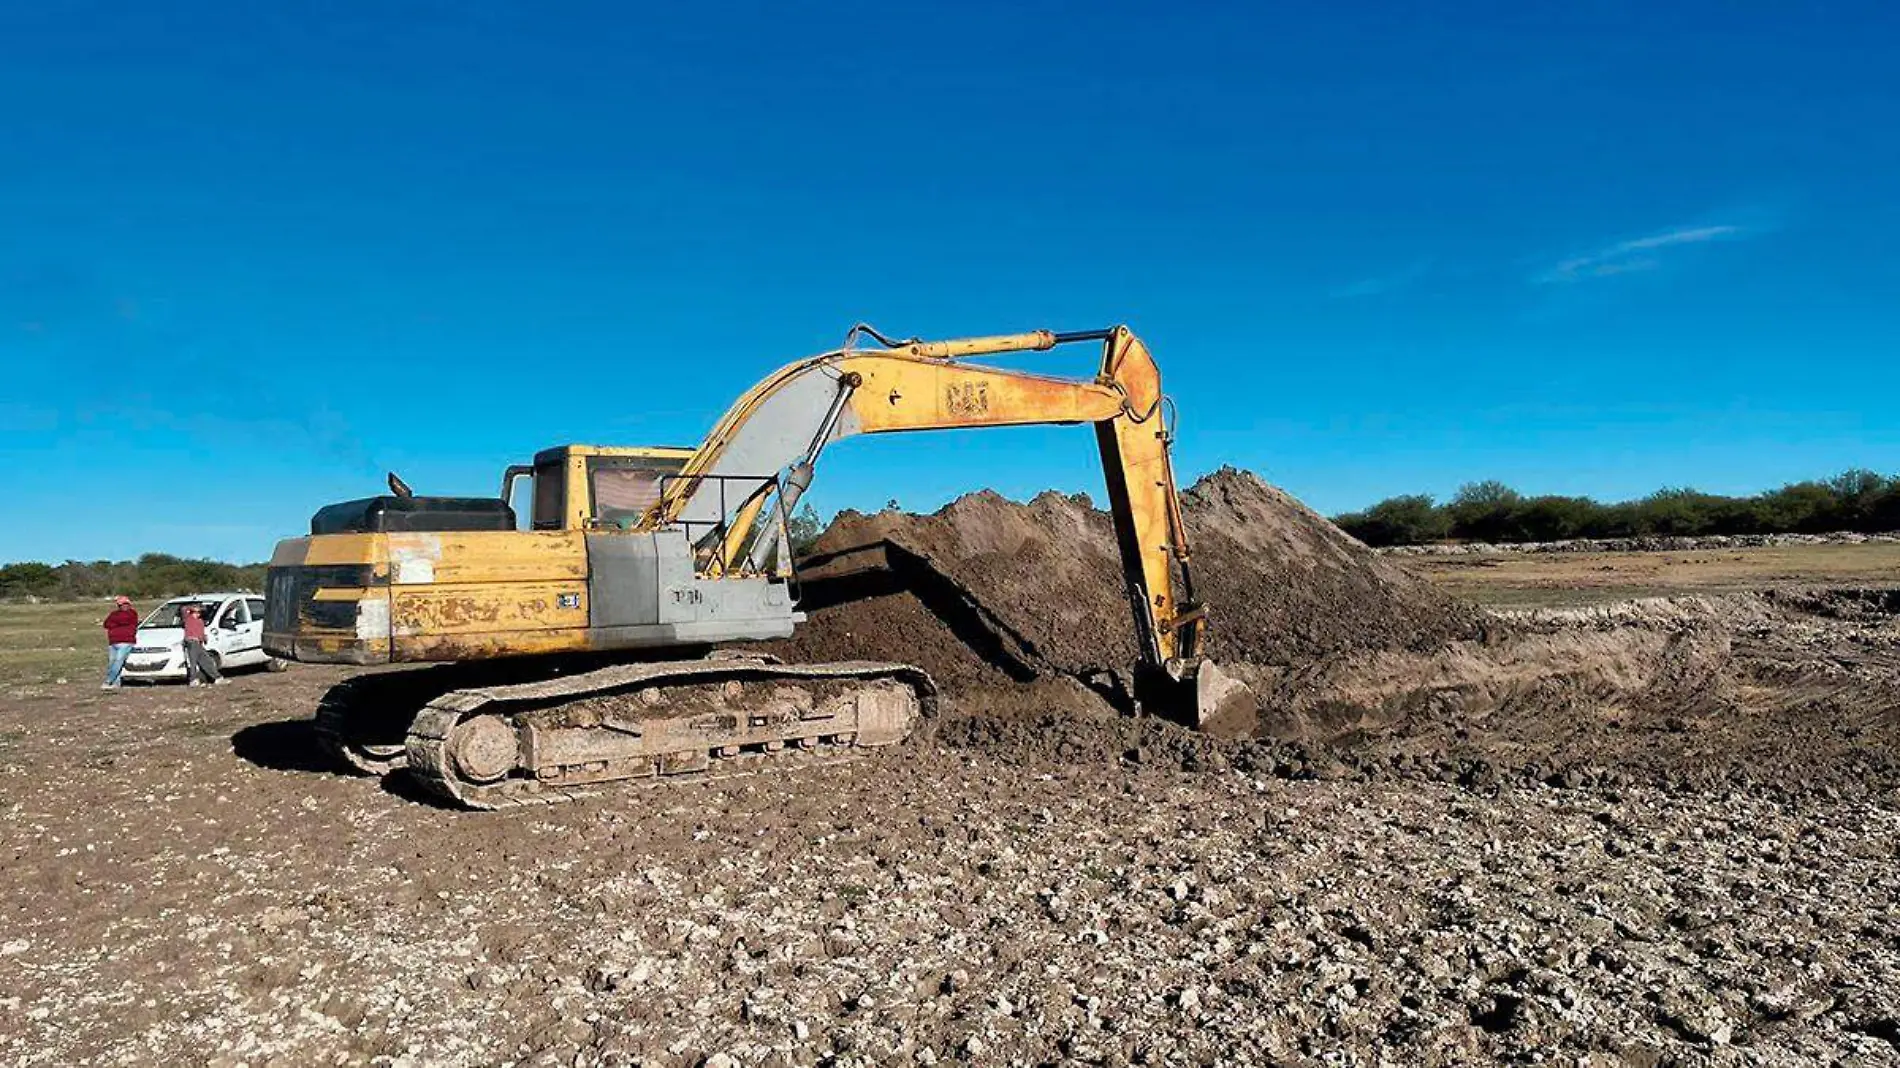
291, 745
401, 784
283, 745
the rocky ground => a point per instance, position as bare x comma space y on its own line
1654, 832
184, 884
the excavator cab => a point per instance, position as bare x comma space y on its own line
574, 487
594, 487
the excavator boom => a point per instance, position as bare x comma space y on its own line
921, 385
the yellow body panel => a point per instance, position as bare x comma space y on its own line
479, 594
361, 650
476, 607
442, 596
486, 556
339, 636
331, 550
489, 645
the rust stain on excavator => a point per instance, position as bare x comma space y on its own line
412, 614
471, 608
342, 649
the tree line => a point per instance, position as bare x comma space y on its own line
151, 577
1856, 500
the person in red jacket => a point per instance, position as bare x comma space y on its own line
200, 669
122, 630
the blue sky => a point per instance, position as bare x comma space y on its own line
253, 257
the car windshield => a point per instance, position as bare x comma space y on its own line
172, 614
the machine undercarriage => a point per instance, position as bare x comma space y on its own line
562, 737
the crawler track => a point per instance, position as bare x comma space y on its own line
361, 722
560, 739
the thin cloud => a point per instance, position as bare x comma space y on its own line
1381, 284
1626, 257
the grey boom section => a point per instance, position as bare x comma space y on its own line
779, 432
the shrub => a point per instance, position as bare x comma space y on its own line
1858, 500
1409, 520
153, 575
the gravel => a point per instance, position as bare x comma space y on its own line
182, 884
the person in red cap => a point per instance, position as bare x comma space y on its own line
122, 630
200, 668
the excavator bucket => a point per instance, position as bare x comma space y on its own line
1197, 693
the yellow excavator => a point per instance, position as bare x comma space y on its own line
637, 568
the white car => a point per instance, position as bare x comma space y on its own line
234, 635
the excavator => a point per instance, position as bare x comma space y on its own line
640, 573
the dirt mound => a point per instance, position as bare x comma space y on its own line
987, 590
861, 608
1361, 668
1044, 578
1287, 587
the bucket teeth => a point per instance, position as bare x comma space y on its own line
1197, 693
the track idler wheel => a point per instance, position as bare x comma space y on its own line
484, 749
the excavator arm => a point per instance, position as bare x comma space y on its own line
762, 456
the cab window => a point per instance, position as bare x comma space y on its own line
623, 489
550, 496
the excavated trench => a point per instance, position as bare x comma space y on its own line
1362, 668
